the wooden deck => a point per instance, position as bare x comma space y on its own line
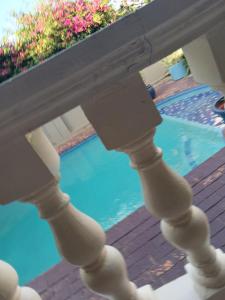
150, 259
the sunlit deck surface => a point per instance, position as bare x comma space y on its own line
150, 259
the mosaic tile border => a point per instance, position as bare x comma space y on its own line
196, 108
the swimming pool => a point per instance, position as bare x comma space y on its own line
101, 184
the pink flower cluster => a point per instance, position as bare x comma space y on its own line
55, 25
80, 15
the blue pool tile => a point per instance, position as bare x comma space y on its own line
197, 108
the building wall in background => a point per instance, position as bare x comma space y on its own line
153, 74
64, 127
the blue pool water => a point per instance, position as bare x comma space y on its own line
101, 184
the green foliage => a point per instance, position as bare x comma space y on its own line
127, 7
173, 58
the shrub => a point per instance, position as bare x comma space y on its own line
173, 58
55, 25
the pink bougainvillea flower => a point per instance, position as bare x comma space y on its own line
96, 4
60, 13
89, 19
77, 28
79, 24
80, 5
68, 22
104, 8
22, 55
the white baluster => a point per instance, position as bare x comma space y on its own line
169, 197
9, 289
125, 119
79, 238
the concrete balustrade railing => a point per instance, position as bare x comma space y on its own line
167, 195
9, 288
105, 83
81, 240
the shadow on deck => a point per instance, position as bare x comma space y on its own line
150, 259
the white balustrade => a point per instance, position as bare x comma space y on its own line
124, 117
79, 238
167, 195
9, 289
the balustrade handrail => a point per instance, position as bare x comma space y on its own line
94, 66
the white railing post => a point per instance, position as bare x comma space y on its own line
126, 122
9, 288
79, 238
169, 197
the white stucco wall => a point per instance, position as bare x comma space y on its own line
64, 127
154, 73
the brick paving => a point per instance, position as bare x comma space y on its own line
150, 259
